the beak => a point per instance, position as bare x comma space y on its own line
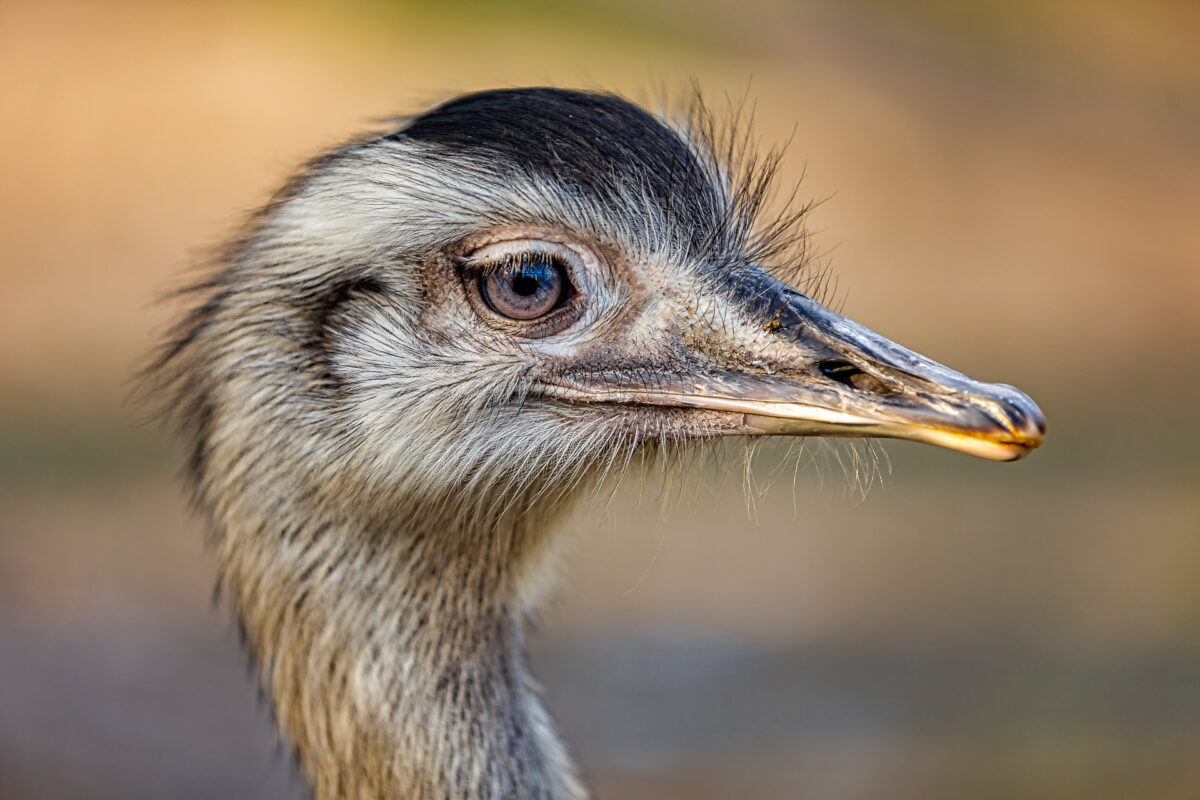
813, 372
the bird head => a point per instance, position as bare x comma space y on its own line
519, 288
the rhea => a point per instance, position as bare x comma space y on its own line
429, 343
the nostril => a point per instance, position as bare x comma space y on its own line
847, 374
842, 372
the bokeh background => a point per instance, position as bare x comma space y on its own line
1010, 187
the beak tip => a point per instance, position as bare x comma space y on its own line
1027, 423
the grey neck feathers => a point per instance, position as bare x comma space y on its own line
394, 657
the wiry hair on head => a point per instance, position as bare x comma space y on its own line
258, 359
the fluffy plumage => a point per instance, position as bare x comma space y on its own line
379, 484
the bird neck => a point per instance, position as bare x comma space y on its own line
394, 658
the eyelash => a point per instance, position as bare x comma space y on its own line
490, 266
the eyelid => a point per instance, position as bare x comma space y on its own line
497, 255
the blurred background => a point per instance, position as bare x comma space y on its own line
1010, 187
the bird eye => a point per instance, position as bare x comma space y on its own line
527, 286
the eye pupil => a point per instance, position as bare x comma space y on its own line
525, 284
526, 287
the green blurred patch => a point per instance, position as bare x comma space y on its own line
620, 24
80, 448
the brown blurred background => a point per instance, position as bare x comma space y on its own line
1011, 187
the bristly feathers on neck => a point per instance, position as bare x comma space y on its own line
395, 660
